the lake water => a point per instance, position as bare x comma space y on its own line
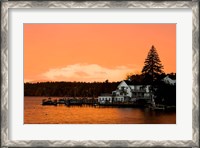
35, 113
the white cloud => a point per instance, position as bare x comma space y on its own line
87, 73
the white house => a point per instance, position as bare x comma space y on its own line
118, 98
123, 89
105, 98
141, 91
168, 80
127, 89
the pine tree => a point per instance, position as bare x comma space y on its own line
152, 66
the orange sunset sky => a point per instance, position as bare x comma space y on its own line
94, 52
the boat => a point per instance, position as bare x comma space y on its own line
74, 102
49, 102
62, 101
157, 107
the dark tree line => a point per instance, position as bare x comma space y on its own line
139, 79
69, 89
164, 93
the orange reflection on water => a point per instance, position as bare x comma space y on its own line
35, 113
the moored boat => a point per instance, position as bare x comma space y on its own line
73, 102
62, 101
157, 107
49, 102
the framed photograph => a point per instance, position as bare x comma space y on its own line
100, 73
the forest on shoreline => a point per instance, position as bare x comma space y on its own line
85, 89
69, 89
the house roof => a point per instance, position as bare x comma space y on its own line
105, 94
168, 80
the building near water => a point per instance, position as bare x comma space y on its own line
129, 90
126, 92
105, 98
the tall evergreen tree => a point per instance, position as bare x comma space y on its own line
152, 66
